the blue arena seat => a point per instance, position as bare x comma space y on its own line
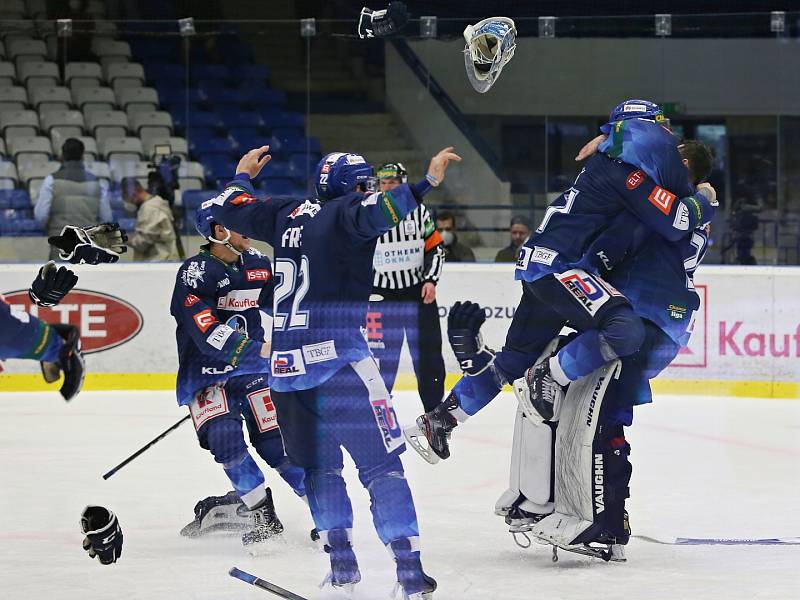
192, 199
204, 146
15, 199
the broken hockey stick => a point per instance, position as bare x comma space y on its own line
264, 585
146, 447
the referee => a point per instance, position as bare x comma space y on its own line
408, 262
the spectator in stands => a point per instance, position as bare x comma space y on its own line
454, 251
72, 195
155, 237
520, 230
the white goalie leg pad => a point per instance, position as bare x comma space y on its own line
578, 480
531, 464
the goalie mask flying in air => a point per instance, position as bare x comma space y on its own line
490, 46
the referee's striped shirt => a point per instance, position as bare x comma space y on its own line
410, 253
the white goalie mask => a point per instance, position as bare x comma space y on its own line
490, 45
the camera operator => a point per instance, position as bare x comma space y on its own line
155, 238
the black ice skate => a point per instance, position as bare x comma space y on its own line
538, 393
412, 582
435, 426
344, 573
521, 521
217, 514
264, 523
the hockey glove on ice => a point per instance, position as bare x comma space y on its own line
464, 332
103, 534
70, 362
52, 284
380, 23
93, 245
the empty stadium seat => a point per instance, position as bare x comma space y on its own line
8, 73
277, 118
48, 97
253, 72
39, 72
2, 148
13, 98
21, 227
124, 74
22, 48
15, 199
203, 146
8, 175
240, 119
167, 72
69, 122
218, 167
104, 47
302, 163
126, 166
247, 139
121, 147
101, 98
137, 98
82, 74
197, 119
106, 123
32, 175
2, 51
31, 147
153, 122
278, 186
19, 123
100, 169
191, 175
177, 145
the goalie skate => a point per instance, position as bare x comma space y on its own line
606, 552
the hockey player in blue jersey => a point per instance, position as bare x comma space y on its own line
223, 376
326, 384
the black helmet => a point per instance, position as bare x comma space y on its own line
391, 170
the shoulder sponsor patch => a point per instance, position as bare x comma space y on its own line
662, 199
635, 179
204, 320
315, 353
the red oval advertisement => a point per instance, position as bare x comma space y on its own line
104, 321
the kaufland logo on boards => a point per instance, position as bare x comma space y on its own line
737, 339
104, 321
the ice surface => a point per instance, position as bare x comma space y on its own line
703, 467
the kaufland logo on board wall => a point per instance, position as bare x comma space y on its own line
104, 321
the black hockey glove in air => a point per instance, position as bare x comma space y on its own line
52, 284
70, 362
103, 534
91, 245
464, 332
380, 23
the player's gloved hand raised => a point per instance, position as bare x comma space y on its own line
70, 362
103, 534
380, 23
92, 245
464, 332
51, 284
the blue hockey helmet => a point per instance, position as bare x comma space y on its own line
204, 223
339, 173
638, 109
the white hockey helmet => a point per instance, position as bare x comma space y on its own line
490, 45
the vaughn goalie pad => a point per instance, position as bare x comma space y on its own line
579, 480
531, 468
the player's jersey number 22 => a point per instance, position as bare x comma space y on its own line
292, 287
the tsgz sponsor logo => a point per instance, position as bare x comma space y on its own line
104, 321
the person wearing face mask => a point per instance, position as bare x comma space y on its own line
454, 251
407, 263
520, 230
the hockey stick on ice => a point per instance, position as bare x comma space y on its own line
784, 541
145, 447
264, 585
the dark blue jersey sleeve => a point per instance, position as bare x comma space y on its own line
193, 306
371, 216
238, 209
660, 209
24, 336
